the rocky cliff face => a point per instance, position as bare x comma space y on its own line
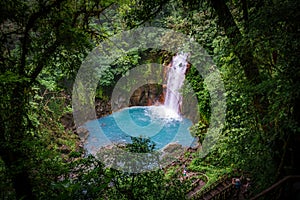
147, 95
144, 96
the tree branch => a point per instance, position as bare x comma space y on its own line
226, 21
245, 13
30, 24
158, 9
89, 13
43, 60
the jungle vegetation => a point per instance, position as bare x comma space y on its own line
254, 44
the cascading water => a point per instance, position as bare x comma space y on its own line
161, 123
175, 79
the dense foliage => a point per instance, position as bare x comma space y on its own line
254, 44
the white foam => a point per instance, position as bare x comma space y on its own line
163, 113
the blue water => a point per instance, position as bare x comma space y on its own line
120, 126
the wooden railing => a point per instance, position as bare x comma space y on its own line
223, 194
226, 193
277, 190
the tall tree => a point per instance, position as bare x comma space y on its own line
35, 36
254, 44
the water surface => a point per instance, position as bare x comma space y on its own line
158, 123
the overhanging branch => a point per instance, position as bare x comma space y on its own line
30, 24
43, 60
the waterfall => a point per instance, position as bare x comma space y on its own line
175, 78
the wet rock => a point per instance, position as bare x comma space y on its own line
83, 133
102, 108
67, 121
171, 153
173, 148
146, 95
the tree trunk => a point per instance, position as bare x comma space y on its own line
13, 134
225, 20
246, 58
18, 175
